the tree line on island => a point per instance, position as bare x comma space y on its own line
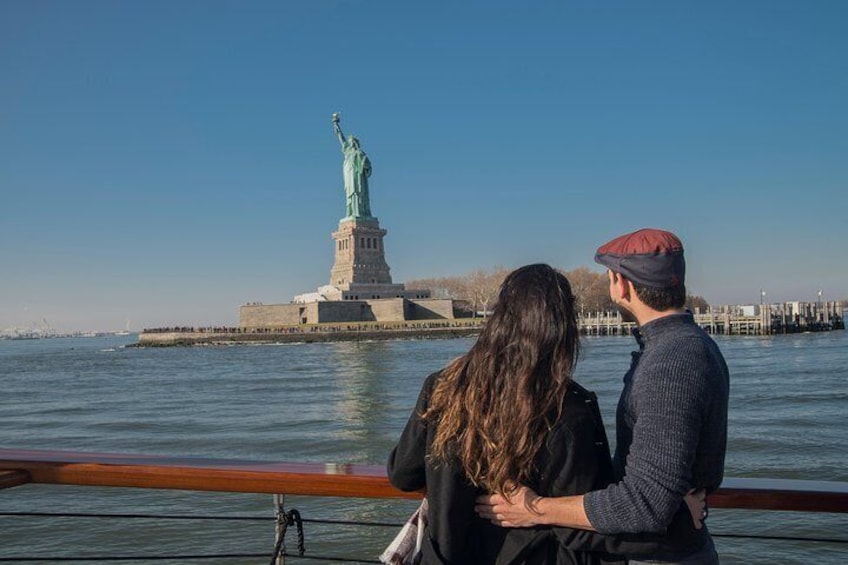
476, 291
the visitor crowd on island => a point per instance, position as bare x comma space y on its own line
326, 328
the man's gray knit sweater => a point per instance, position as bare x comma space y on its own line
671, 431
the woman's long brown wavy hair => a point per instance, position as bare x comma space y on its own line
492, 408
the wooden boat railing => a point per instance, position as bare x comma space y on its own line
21, 466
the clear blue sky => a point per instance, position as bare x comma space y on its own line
165, 162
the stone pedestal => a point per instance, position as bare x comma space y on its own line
360, 255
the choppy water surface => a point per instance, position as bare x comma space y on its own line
347, 402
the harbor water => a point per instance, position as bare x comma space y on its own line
347, 403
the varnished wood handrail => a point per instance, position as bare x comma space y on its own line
18, 466
225, 475
781, 494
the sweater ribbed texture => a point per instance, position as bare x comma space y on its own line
671, 429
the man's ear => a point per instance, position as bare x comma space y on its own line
625, 287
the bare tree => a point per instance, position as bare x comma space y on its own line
478, 289
455, 288
482, 287
439, 287
591, 289
697, 303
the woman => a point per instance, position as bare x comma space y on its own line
508, 412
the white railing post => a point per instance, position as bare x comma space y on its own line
279, 527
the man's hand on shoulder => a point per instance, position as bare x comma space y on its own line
518, 510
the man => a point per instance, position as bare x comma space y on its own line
671, 421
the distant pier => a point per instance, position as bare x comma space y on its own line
765, 319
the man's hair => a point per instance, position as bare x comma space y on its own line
493, 407
661, 299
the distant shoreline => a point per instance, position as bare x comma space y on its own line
726, 323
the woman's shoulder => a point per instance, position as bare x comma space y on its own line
577, 412
431, 380
427, 388
580, 409
578, 393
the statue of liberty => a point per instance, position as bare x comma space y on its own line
357, 169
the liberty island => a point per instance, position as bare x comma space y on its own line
360, 301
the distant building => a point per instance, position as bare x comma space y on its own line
750, 310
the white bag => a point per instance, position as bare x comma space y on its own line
405, 549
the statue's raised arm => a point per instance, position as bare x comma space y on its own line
337, 128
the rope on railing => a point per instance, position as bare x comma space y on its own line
286, 519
